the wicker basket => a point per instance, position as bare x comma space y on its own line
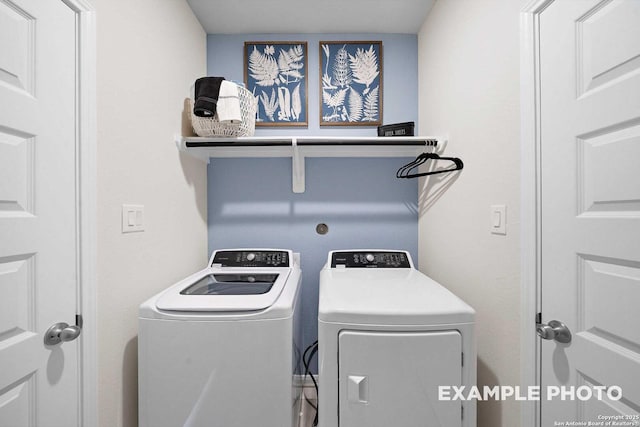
210, 126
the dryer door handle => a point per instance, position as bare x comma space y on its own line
358, 389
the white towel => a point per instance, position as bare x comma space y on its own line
228, 106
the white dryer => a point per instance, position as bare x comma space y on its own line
388, 337
220, 348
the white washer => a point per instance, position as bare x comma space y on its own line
220, 348
389, 336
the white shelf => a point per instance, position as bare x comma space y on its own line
298, 148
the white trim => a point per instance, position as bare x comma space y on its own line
300, 380
87, 145
530, 230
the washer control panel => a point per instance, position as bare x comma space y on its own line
251, 258
370, 259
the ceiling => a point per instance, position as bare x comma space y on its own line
310, 16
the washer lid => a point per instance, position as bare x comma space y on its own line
387, 297
232, 284
225, 290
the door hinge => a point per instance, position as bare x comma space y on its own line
462, 359
462, 412
538, 318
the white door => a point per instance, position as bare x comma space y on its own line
38, 213
590, 263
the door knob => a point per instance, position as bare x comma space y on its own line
60, 332
554, 330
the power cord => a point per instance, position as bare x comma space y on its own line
307, 356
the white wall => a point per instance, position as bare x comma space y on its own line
149, 53
469, 89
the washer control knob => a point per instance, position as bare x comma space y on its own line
251, 256
370, 257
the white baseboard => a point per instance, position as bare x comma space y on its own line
300, 381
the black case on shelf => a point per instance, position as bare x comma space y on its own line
397, 129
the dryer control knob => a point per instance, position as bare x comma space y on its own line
370, 257
251, 257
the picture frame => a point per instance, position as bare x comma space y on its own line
275, 72
350, 83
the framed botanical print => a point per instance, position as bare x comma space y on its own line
351, 84
276, 74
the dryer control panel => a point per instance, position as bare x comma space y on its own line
370, 259
251, 258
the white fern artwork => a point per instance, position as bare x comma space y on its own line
351, 83
275, 72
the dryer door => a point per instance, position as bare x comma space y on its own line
392, 378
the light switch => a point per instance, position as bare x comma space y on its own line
499, 219
132, 218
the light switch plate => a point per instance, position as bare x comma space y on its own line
499, 219
132, 218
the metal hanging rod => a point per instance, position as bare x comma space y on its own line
196, 142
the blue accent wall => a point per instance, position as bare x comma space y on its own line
251, 203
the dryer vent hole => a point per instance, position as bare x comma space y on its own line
322, 228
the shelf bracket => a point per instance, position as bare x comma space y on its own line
298, 171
